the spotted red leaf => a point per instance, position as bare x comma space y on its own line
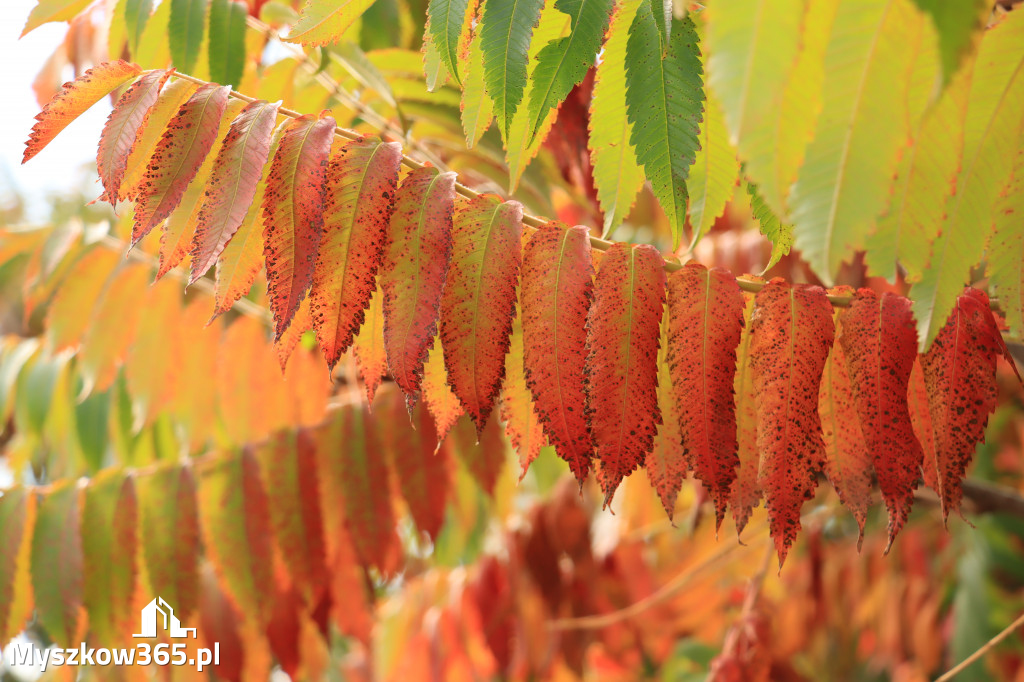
73, 99
361, 181
185, 143
416, 259
621, 370
479, 301
293, 213
790, 340
122, 128
232, 186
745, 493
960, 375
420, 465
879, 339
705, 322
847, 459
557, 292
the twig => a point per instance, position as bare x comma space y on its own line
984, 649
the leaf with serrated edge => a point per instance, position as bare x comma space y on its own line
232, 187
324, 21
179, 154
618, 177
293, 213
506, 30
445, 19
715, 172
664, 98
621, 373
522, 424
444, 406
17, 519
227, 40
778, 233
557, 290
745, 493
73, 99
924, 430
57, 563
479, 300
792, 332
109, 548
475, 105
416, 258
706, 320
362, 180
666, 463
185, 30
880, 345
368, 347
1005, 262
960, 376
122, 128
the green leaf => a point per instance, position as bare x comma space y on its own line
136, 14
185, 32
958, 24
618, 177
1005, 268
477, 108
445, 19
108, 541
844, 182
664, 103
325, 21
715, 172
53, 10
563, 63
778, 233
992, 126
433, 68
57, 563
227, 41
505, 33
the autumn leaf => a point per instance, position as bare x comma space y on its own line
368, 347
57, 563
361, 183
621, 371
442, 403
522, 424
17, 520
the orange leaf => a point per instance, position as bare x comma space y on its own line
122, 129
522, 423
368, 346
196, 410
666, 463
361, 182
557, 292
705, 323
245, 370
880, 343
232, 187
623, 332
746, 492
179, 154
921, 418
790, 340
68, 317
444, 406
416, 259
154, 361
293, 213
73, 99
479, 301
113, 327
17, 518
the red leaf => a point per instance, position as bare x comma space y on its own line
479, 301
960, 375
705, 323
57, 563
361, 182
847, 460
790, 340
179, 154
17, 518
73, 99
232, 187
122, 129
169, 532
622, 356
422, 468
921, 418
746, 492
293, 213
557, 292
416, 257
880, 343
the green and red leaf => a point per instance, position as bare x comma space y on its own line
479, 301
880, 344
792, 332
57, 563
361, 182
416, 259
705, 322
73, 99
188, 139
293, 213
621, 371
557, 292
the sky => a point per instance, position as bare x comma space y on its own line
58, 167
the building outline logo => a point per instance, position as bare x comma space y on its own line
171, 623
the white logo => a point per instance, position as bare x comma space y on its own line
171, 623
